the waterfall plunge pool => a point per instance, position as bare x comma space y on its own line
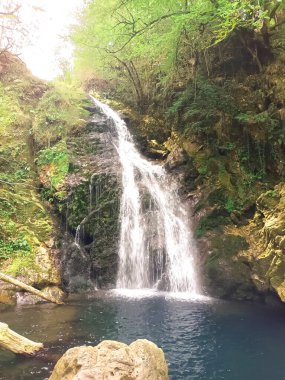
202, 340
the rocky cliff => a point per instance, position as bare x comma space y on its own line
221, 134
35, 120
91, 207
28, 233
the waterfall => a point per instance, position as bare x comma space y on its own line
156, 247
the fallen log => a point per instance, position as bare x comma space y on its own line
30, 289
16, 343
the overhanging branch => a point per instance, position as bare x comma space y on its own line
149, 25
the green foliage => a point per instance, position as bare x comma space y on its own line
144, 47
233, 15
265, 137
8, 109
16, 176
25, 224
229, 206
54, 162
136, 44
272, 194
203, 93
23, 264
202, 169
78, 205
200, 104
261, 118
59, 112
57, 153
215, 219
12, 248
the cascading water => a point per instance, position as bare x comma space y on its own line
156, 244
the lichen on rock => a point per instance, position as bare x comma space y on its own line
141, 360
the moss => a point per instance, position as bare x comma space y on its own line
101, 210
53, 165
60, 111
199, 107
214, 219
269, 200
229, 245
216, 196
25, 223
227, 274
77, 205
14, 247
21, 265
8, 110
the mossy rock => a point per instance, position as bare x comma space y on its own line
214, 219
268, 201
77, 205
228, 275
94, 205
26, 223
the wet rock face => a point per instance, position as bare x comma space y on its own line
92, 208
75, 266
141, 360
226, 273
248, 262
269, 262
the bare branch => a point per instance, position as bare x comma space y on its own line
11, 13
147, 26
274, 10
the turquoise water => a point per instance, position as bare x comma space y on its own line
201, 340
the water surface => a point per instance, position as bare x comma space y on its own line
202, 340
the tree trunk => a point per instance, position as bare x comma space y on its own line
135, 80
29, 288
16, 343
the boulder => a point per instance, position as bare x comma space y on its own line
141, 360
7, 296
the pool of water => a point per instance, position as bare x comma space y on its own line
202, 339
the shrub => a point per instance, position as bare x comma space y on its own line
199, 106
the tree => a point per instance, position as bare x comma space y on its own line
153, 44
119, 44
12, 30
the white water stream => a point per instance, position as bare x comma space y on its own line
156, 247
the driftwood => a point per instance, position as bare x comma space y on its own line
16, 343
29, 288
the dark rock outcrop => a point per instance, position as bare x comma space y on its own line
91, 209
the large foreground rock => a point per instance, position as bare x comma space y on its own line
141, 360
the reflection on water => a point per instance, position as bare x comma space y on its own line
201, 340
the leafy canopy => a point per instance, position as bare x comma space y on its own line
158, 41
